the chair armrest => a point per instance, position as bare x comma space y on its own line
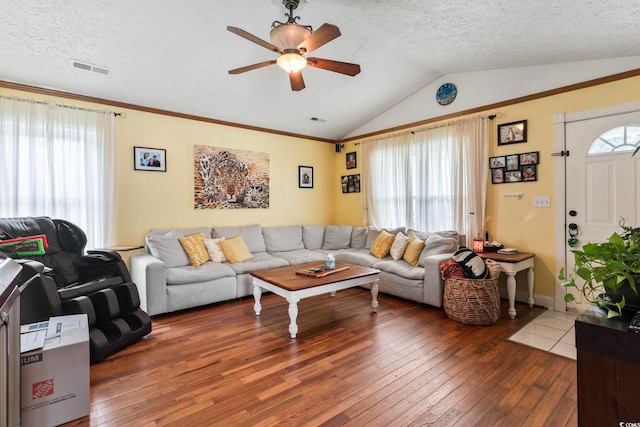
102, 254
30, 268
100, 263
149, 275
433, 283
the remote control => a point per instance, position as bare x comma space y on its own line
634, 325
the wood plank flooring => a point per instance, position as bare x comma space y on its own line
407, 365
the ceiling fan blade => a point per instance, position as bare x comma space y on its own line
297, 82
242, 33
335, 66
251, 67
319, 37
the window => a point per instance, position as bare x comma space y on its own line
620, 139
57, 161
428, 180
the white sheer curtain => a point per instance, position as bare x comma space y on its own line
385, 176
58, 161
432, 179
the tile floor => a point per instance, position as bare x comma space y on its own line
552, 331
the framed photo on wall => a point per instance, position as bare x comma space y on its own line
512, 133
513, 163
497, 162
350, 183
531, 158
305, 177
351, 160
149, 159
529, 173
497, 176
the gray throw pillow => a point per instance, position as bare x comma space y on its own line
358, 237
167, 248
313, 236
282, 239
436, 244
337, 237
252, 235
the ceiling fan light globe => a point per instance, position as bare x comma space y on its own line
291, 62
289, 36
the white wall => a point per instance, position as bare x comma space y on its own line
482, 88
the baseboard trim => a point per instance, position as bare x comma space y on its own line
539, 300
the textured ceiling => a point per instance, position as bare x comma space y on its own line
175, 55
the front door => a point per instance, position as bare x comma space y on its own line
602, 180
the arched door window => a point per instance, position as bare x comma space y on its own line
622, 138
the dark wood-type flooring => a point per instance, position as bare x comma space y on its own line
407, 365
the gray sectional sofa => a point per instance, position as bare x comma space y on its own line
168, 282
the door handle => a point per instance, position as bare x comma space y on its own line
573, 232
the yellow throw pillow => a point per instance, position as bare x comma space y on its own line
235, 249
382, 245
413, 250
194, 247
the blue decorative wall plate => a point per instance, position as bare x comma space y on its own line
446, 93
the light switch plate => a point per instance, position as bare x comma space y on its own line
542, 202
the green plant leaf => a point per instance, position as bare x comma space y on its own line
569, 298
584, 273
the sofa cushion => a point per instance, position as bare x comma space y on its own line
358, 237
398, 246
422, 235
214, 249
400, 268
281, 239
382, 245
183, 231
300, 256
235, 249
313, 236
337, 237
194, 246
362, 257
437, 244
206, 272
167, 248
260, 261
252, 235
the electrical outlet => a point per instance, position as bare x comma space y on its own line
542, 202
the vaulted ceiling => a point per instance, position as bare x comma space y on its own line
175, 55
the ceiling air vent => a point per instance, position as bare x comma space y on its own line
89, 67
81, 66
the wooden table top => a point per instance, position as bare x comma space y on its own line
286, 277
520, 256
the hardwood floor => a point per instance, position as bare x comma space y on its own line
407, 365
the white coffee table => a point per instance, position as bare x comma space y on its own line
293, 287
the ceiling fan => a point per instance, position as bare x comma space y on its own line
293, 41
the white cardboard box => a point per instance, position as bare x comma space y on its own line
54, 380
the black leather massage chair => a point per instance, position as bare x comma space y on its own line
58, 278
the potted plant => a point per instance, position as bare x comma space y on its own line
609, 271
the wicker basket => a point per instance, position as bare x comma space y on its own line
473, 302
